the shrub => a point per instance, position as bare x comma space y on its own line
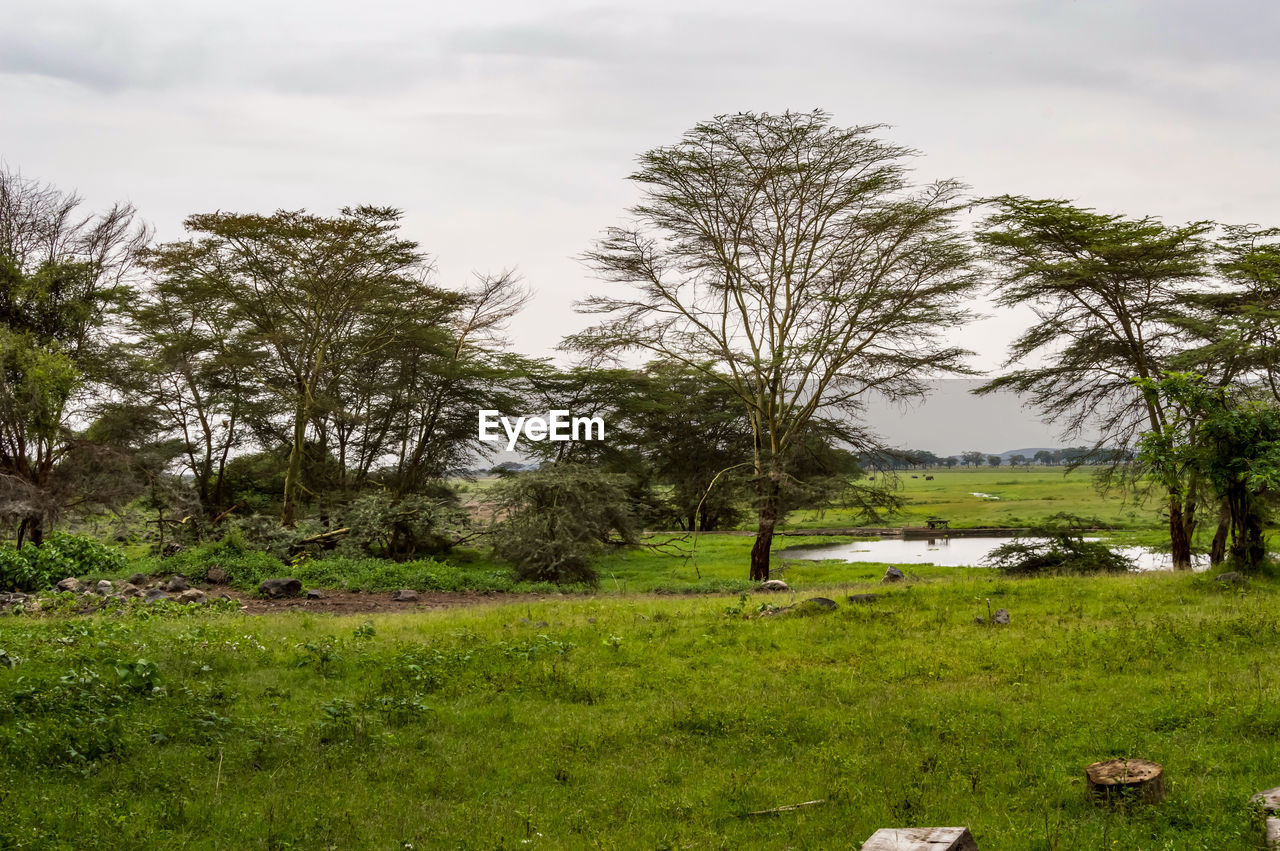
401, 528
1056, 552
556, 520
61, 555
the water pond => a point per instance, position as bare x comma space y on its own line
950, 552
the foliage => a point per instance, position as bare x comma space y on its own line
33, 568
556, 520
1056, 552
63, 276
1232, 442
399, 528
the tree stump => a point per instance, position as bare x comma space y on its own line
1125, 779
921, 839
1269, 801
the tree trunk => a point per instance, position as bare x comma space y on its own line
31, 529
293, 476
767, 519
1218, 550
1180, 543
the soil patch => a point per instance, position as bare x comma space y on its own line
366, 602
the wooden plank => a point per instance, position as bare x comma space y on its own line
921, 839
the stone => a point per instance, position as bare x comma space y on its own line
774, 585
191, 595
154, 594
1229, 578
128, 589
819, 604
313, 594
217, 576
893, 575
104, 588
1001, 616
176, 584
282, 587
70, 584
405, 595
138, 579
863, 598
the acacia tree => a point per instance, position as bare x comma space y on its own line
793, 261
190, 365
63, 274
1107, 292
303, 286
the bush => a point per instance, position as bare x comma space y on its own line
1056, 552
245, 565
61, 555
382, 525
556, 520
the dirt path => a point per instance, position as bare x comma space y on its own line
358, 603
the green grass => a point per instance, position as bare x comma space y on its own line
647, 721
1027, 496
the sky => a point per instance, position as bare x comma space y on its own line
505, 130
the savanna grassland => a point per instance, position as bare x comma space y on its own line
647, 721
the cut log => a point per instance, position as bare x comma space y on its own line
1269, 801
1125, 779
921, 839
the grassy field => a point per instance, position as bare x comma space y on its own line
1024, 496
648, 722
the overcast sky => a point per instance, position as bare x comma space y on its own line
506, 129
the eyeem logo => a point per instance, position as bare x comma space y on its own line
557, 426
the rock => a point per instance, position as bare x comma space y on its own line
812, 606
774, 585
1229, 578
128, 589
278, 588
104, 588
191, 595
979, 620
154, 594
138, 579
893, 575
1001, 616
171, 549
70, 584
863, 598
404, 595
540, 624
313, 594
825, 604
176, 584
217, 576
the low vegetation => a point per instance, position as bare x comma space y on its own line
647, 722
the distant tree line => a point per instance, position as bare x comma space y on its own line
919, 459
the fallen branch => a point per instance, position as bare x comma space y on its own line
788, 808
326, 536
